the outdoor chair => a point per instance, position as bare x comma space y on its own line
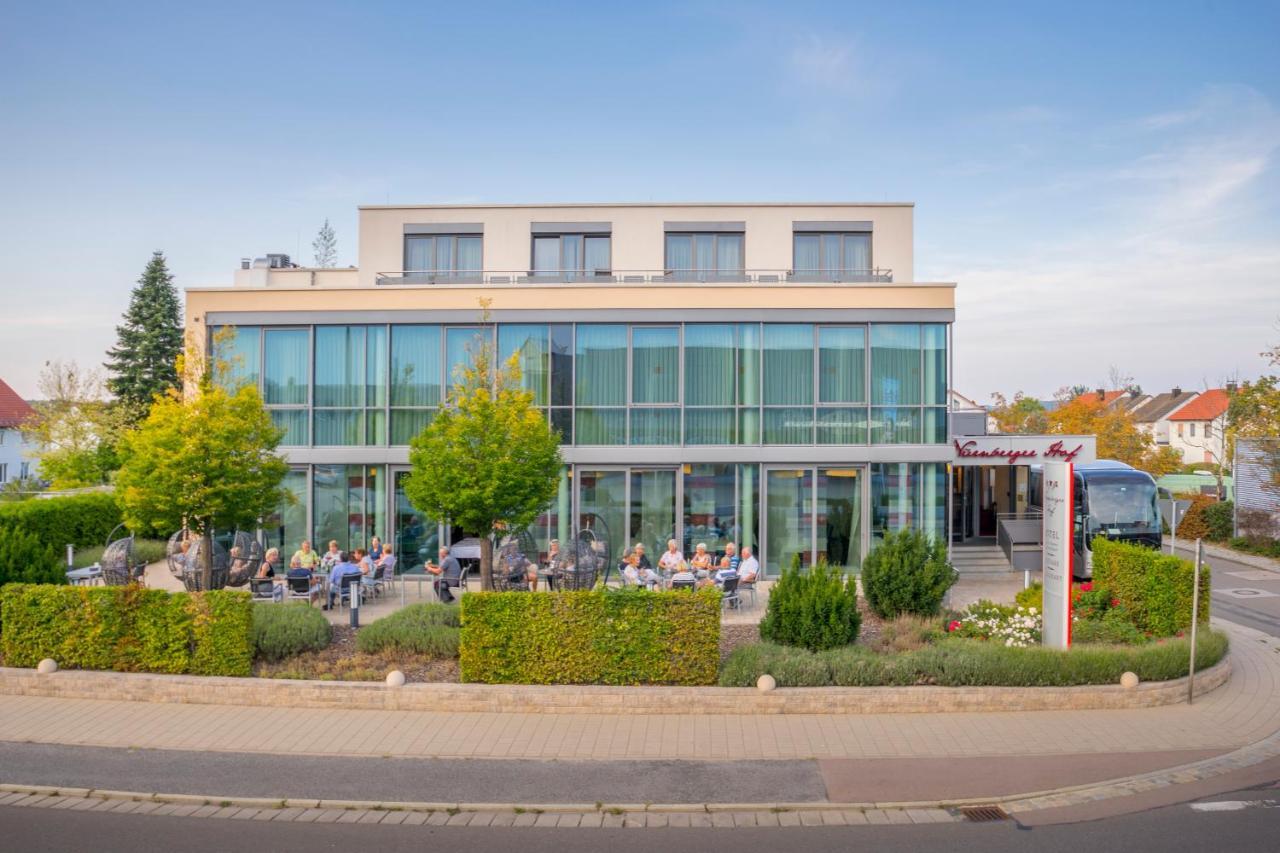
116, 562
298, 589
750, 586
577, 578
684, 584
729, 593
346, 582
262, 589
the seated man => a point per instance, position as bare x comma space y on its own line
728, 564
298, 573
684, 576
644, 569
331, 557
344, 567
749, 568
448, 574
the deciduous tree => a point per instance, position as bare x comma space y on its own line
75, 428
488, 459
203, 459
1119, 437
1022, 415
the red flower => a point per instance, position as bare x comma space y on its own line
1087, 586
953, 626
1115, 602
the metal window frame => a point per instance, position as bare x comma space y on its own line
581, 269
823, 236
715, 236
453, 251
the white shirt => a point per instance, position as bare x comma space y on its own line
748, 567
670, 560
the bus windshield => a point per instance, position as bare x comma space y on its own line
1125, 504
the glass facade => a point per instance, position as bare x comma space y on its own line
348, 504
693, 384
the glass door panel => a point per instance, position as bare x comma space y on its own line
653, 509
602, 505
839, 517
789, 530
417, 539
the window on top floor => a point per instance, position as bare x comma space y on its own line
832, 256
572, 256
444, 255
704, 256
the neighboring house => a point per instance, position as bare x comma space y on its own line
14, 461
969, 417
1196, 428
1152, 413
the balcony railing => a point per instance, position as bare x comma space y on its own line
631, 277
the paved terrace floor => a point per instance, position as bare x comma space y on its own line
1241, 712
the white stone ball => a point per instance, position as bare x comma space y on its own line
765, 683
395, 678
1129, 680
47, 666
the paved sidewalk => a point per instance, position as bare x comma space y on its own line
1245, 710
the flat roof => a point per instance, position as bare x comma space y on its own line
638, 204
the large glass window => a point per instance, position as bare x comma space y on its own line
788, 383
237, 355
287, 526
417, 537
908, 495
570, 257
350, 385
415, 380
653, 509
842, 364
895, 364
531, 346
722, 372
460, 347
721, 505
443, 257
839, 517
600, 372
562, 381
789, 498
348, 505
602, 507
832, 256
704, 256
287, 380
655, 365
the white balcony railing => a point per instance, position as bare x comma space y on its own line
632, 277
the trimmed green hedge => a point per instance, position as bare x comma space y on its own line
428, 629
970, 663
127, 629
601, 636
284, 630
81, 520
1155, 589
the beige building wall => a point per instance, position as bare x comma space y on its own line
638, 236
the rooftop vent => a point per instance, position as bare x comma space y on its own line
279, 262
1177, 392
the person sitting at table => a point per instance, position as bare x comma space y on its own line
669, 562
728, 563
375, 548
448, 574
644, 569
270, 562
384, 565
304, 557
183, 557
331, 557
344, 567
627, 568
517, 568
552, 570
701, 562
749, 567
683, 575
239, 573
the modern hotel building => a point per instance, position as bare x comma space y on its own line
770, 374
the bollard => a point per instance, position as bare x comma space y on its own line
355, 591
71, 556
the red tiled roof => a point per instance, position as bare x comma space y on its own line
1206, 407
13, 409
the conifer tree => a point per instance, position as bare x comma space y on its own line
143, 363
325, 247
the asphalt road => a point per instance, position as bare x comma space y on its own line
410, 779
1242, 593
1249, 821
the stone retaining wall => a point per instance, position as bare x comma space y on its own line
190, 689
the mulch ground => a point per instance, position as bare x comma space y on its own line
341, 661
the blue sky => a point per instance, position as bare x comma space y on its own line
1100, 179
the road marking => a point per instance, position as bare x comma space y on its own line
1235, 805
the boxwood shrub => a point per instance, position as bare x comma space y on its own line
1155, 589
80, 520
127, 629
284, 630
970, 663
26, 558
907, 572
428, 629
816, 610
601, 636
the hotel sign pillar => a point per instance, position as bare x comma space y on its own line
1057, 535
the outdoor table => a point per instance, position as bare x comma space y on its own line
85, 576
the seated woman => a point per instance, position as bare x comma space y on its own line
270, 563
239, 573
554, 561
628, 569
701, 562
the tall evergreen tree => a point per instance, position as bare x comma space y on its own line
325, 247
143, 363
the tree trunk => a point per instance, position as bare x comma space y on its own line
486, 563
206, 559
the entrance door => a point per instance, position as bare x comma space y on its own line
814, 513
652, 509
417, 538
